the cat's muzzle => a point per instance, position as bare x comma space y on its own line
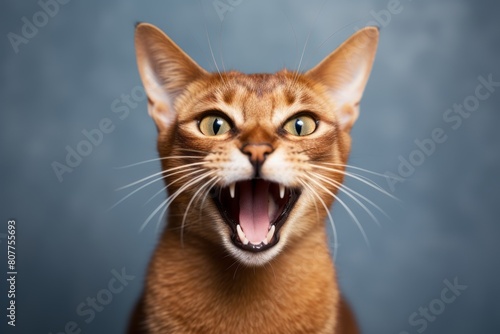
255, 210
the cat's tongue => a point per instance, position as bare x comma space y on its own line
254, 206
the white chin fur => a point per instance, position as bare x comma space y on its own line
250, 258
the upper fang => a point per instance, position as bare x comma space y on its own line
282, 191
232, 188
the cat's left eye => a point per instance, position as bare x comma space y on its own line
214, 125
300, 125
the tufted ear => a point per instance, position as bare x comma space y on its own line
165, 72
345, 73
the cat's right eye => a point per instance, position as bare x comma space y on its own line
214, 125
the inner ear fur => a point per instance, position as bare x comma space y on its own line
165, 71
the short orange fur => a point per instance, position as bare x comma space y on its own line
198, 281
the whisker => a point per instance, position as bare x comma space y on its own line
362, 197
330, 218
182, 189
192, 150
204, 199
306, 43
211, 50
213, 56
302, 55
142, 187
359, 178
162, 172
339, 186
361, 169
173, 182
165, 204
213, 180
315, 206
160, 206
294, 33
348, 173
159, 159
346, 207
349, 192
221, 55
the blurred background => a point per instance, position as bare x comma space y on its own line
429, 116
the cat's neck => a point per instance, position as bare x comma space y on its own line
300, 280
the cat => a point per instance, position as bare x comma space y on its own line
251, 163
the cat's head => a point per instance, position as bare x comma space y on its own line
252, 161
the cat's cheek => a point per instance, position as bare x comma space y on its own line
231, 167
278, 169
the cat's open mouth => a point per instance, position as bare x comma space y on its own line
255, 210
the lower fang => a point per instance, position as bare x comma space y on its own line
241, 234
270, 234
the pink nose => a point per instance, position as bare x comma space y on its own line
257, 152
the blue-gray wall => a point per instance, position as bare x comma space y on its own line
67, 76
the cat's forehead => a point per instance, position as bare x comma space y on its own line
283, 84
251, 96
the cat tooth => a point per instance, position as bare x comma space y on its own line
241, 234
245, 241
265, 241
270, 234
282, 191
232, 188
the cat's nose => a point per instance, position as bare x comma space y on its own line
257, 153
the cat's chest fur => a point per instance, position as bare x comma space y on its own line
196, 292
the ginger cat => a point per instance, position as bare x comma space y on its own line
247, 162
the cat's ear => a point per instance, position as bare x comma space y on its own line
345, 73
165, 72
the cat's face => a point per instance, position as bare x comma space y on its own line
250, 156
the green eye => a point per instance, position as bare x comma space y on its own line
214, 126
300, 126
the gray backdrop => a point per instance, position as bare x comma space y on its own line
75, 71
